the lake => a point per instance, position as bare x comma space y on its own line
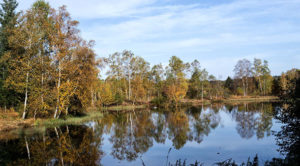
204, 134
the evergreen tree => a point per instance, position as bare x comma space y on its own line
8, 19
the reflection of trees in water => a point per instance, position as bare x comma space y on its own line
160, 134
121, 139
133, 133
245, 124
203, 122
59, 146
178, 125
288, 138
253, 119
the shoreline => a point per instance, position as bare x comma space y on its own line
12, 121
197, 102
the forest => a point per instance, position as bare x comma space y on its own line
48, 71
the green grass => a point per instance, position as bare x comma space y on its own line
68, 120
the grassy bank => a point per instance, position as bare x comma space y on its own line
124, 107
251, 99
11, 120
233, 99
68, 120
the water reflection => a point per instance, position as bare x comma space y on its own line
253, 120
69, 145
288, 138
132, 134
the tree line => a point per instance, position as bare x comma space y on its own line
130, 78
48, 70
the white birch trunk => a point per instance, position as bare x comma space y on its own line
58, 90
26, 96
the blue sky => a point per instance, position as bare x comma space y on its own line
216, 32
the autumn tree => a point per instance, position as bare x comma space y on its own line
243, 70
28, 56
212, 90
49, 63
204, 82
128, 67
83, 75
115, 76
289, 84
64, 40
105, 95
133, 69
140, 79
157, 76
176, 83
261, 72
194, 83
267, 78
157, 79
198, 81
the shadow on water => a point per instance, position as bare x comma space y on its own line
132, 134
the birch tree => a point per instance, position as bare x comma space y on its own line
64, 41
242, 71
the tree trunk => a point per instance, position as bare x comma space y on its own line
202, 92
42, 95
35, 112
26, 96
260, 86
264, 87
129, 86
92, 95
67, 110
58, 90
244, 87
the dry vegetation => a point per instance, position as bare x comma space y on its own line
196, 102
9, 120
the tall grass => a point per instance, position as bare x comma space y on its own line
68, 120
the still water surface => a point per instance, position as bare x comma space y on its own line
206, 134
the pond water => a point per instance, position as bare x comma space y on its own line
207, 134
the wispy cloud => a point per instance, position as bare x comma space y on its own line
218, 34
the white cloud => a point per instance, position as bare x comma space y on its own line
89, 9
216, 34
